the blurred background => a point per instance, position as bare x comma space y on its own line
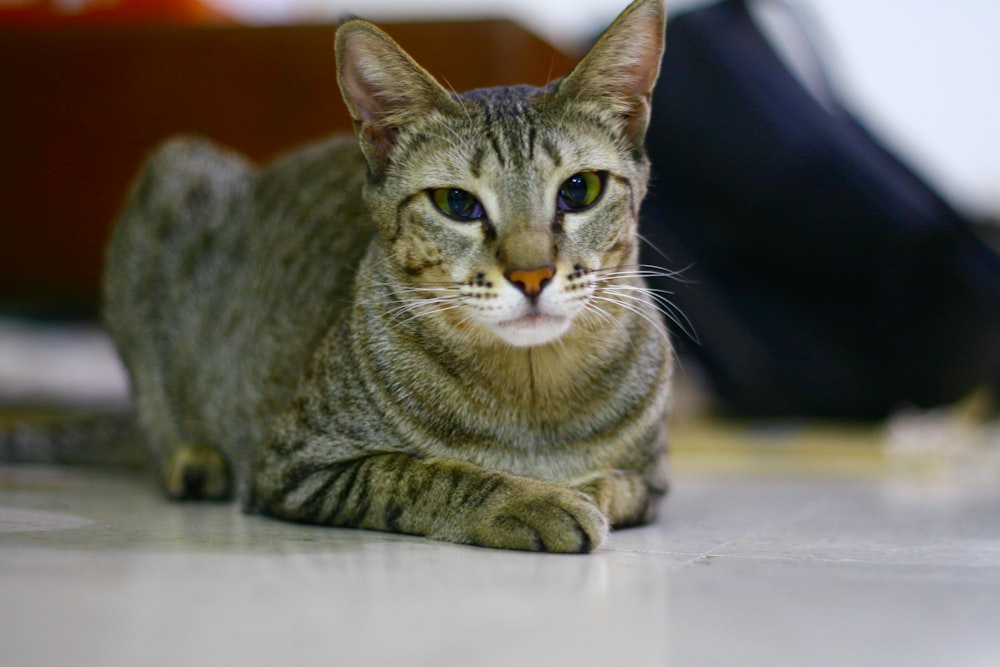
922, 73
89, 86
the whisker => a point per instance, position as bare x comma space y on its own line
655, 248
419, 309
638, 312
396, 288
660, 302
609, 281
410, 302
644, 271
400, 291
404, 295
592, 310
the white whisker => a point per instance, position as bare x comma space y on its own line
639, 312
660, 302
422, 308
616, 281
653, 247
643, 271
592, 310
413, 302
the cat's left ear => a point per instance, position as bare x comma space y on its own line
384, 89
621, 69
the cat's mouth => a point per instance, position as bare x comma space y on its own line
534, 320
533, 329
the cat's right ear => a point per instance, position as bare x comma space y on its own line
621, 69
384, 89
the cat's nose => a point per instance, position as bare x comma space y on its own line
531, 281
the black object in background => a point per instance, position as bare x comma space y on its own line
826, 278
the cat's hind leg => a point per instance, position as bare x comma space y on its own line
159, 277
196, 472
187, 469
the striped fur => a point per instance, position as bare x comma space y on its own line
321, 340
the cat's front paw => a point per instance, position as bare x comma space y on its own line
544, 517
622, 496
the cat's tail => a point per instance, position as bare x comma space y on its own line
95, 439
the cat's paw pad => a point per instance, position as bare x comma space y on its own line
559, 520
196, 472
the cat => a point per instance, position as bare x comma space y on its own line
437, 327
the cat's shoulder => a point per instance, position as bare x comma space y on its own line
195, 156
190, 153
335, 156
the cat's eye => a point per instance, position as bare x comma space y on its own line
458, 204
580, 190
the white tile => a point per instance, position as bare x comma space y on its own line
739, 570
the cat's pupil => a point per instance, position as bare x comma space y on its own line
457, 203
580, 190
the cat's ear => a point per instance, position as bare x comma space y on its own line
384, 88
621, 69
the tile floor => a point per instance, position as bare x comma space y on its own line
768, 553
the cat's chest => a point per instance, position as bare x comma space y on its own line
514, 403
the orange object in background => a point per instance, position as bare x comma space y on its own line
34, 13
81, 107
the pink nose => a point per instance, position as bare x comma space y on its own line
531, 281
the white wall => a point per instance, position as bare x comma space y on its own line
925, 74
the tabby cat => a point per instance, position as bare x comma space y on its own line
438, 328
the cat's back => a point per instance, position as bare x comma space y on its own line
198, 211
221, 277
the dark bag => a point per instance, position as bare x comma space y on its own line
826, 279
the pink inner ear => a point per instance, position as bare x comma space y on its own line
622, 67
642, 68
359, 91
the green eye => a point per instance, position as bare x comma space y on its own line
457, 204
580, 190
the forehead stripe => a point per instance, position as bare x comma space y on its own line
552, 151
